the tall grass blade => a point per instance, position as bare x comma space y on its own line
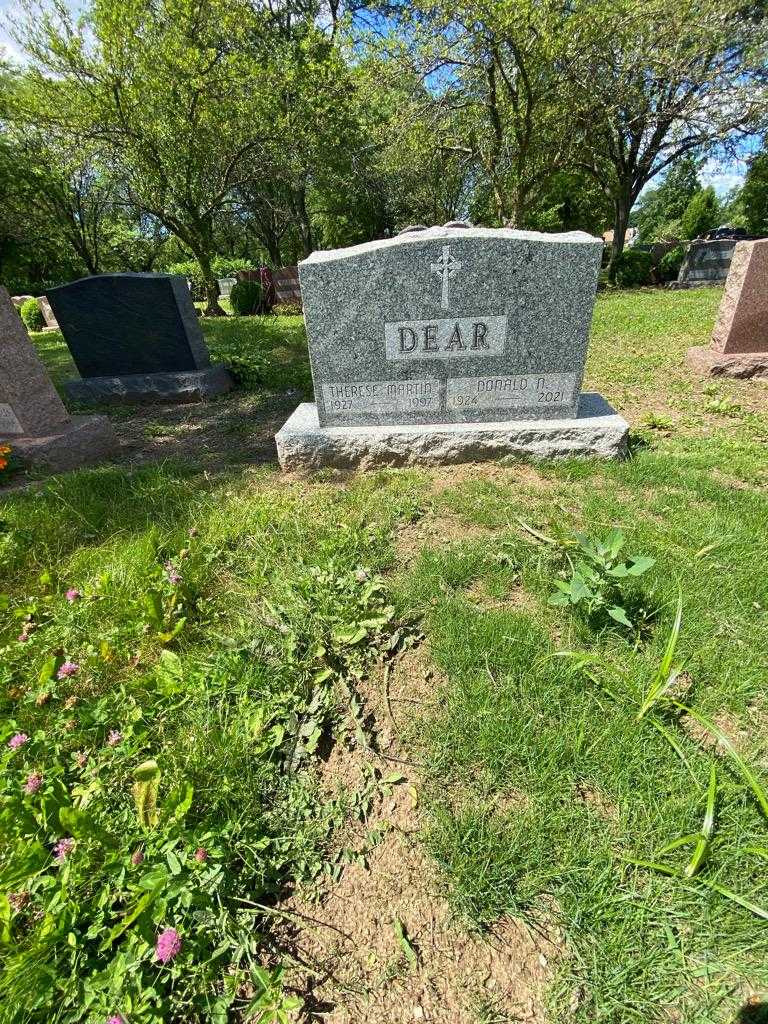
693, 886
665, 675
744, 769
535, 533
701, 852
693, 837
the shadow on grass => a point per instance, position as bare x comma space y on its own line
753, 1013
41, 527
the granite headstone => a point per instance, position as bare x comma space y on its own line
705, 262
476, 328
739, 346
33, 419
226, 284
51, 323
287, 286
135, 338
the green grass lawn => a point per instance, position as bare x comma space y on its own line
226, 624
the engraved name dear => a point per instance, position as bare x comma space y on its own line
445, 338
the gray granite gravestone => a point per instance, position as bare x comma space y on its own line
33, 419
226, 284
51, 324
135, 338
450, 344
705, 262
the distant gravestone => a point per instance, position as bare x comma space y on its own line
287, 286
705, 262
135, 338
739, 346
33, 419
450, 344
226, 284
51, 323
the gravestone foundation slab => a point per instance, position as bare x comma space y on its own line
148, 388
596, 431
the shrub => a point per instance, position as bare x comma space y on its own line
634, 269
702, 214
191, 270
221, 266
287, 309
670, 263
32, 315
246, 298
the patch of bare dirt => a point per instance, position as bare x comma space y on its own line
516, 598
728, 724
596, 800
235, 429
380, 945
435, 530
733, 483
519, 474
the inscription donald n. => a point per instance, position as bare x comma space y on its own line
444, 339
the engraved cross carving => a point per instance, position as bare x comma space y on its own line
446, 268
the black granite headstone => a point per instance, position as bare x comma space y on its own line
707, 262
126, 324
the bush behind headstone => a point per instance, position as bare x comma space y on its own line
670, 263
246, 298
32, 315
634, 269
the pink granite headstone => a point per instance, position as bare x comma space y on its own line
742, 322
33, 419
739, 346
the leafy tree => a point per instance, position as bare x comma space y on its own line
701, 215
754, 195
177, 94
501, 70
659, 207
656, 81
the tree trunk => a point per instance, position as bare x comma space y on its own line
305, 228
622, 205
211, 286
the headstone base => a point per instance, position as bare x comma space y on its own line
143, 388
598, 431
677, 286
727, 364
85, 439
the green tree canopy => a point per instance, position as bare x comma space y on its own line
754, 195
660, 209
702, 214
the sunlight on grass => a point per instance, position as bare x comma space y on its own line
545, 788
